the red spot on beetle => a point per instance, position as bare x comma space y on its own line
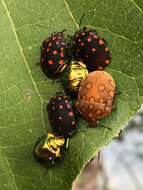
106, 49
70, 113
101, 42
89, 39
50, 62
93, 49
107, 61
54, 38
61, 62
68, 106
62, 54
50, 44
83, 33
62, 48
82, 44
61, 107
55, 52
94, 36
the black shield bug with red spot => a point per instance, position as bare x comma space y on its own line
53, 55
61, 115
89, 48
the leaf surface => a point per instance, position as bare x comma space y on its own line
24, 90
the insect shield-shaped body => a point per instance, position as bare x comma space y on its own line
61, 116
72, 76
53, 55
90, 49
47, 149
96, 96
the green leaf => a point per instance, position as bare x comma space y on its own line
24, 90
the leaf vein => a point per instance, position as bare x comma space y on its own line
137, 6
10, 169
70, 12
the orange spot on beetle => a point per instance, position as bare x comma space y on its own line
111, 93
106, 49
101, 87
50, 62
61, 62
98, 112
93, 49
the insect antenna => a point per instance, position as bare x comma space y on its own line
81, 20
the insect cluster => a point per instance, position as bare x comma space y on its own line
78, 64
